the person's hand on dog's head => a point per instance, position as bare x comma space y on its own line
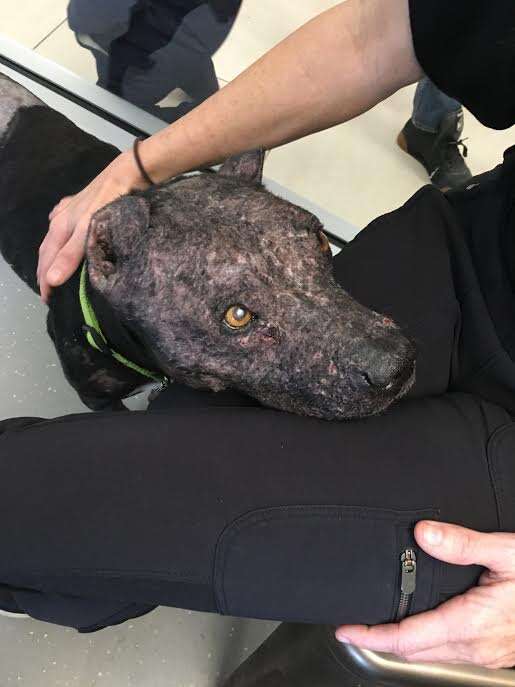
63, 248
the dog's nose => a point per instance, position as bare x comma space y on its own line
384, 370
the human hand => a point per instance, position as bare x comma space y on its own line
477, 627
62, 250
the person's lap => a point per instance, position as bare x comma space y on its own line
242, 511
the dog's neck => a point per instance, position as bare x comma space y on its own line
119, 337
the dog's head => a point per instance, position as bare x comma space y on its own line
230, 286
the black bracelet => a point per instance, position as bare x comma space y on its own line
142, 170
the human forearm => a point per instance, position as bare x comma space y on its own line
338, 65
335, 67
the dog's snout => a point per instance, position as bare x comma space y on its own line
380, 375
385, 370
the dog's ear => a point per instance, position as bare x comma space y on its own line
113, 231
247, 166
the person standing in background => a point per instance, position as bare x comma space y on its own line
432, 136
145, 49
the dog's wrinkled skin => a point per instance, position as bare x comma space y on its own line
208, 242
171, 261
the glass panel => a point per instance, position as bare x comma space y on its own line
167, 56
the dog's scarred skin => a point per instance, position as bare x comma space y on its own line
165, 265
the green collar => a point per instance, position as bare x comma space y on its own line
96, 338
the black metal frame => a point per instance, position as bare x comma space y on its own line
73, 97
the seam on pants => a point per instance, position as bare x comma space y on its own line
139, 575
496, 471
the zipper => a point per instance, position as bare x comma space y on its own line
408, 582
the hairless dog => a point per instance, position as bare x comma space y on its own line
208, 280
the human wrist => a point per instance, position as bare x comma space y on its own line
156, 157
123, 171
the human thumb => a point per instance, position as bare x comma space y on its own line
462, 546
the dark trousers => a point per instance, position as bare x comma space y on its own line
212, 503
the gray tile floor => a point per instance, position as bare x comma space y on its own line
167, 648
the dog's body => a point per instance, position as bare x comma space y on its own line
208, 279
37, 170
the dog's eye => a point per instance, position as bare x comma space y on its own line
324, 242
237, 316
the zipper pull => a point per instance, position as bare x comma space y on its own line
409, 571
408, 582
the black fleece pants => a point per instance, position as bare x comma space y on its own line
212, 503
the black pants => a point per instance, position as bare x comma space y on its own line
209, 502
